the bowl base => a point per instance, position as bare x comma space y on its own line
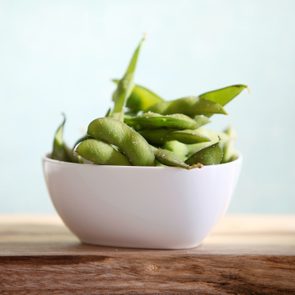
164, 247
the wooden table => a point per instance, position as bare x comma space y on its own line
243, 255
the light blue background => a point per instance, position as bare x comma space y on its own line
60, 55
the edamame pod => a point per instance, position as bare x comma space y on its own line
188, 136
128, 141
60, 151
201, 120
229, 153
209, 156
196, 147
212, 135
156, 137
125, 86
101, 153
141, 98
160, 136
178, 148
190, 106
80, 140
224, 95
184, 151
151, 120
168, 158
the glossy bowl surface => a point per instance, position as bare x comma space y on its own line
140, 207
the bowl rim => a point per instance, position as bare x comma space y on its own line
46, 158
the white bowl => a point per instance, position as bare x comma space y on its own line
141, 207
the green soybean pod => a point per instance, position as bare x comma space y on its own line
99, 152
196, 147
125, 86
224, 95
155, 136
211, 155
178, 148
84, 137
60, 151
160, 136
201, 120
229, 153
184, 151
129, 142
190, 106
188, 136
151, 120
141, 98
212, 135
168, 158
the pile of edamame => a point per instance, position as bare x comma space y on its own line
143, 129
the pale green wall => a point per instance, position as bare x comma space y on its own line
60, 55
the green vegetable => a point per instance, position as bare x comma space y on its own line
125, 86
201, 120
160, 136
189, 136
153, 121
211, 155
168, 158
141, 98
100, 153
60, 151
128, 141
190, 106
195, 148
184, 151
224, 95
229, 153
81, 139
178, 148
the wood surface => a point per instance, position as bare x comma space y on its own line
242, 255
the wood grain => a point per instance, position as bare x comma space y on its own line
243, 255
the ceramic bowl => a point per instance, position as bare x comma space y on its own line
140, 207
